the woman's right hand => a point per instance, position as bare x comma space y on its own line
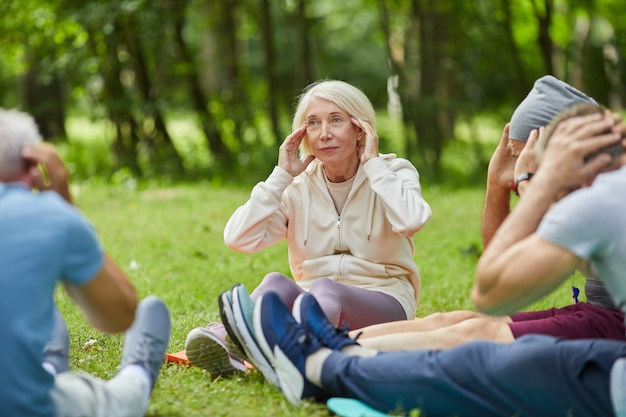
288, 156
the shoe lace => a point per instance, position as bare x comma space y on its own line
330, 332
297, 338
147, 349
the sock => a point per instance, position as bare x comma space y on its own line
314, 363
139, 371
313, 366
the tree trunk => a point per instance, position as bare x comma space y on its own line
198, 98
160, 142
305, 46
433, 117
117, 105
516, 57
44, 101
267, 41
544, 39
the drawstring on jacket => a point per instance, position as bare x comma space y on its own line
307, 211
370, 215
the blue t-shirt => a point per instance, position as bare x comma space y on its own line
591, 223
43, 240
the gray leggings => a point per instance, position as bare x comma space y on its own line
343, 304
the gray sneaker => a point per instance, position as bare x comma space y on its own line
206, 348
56, 351
618, 387
146, 341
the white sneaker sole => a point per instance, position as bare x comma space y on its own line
291, 382
206, 352
250, 345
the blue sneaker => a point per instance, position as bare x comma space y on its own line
56, 351
308, 312
145, 343
287, 345
243, 308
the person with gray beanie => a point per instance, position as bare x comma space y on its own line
548, 97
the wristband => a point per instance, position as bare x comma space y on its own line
526, 176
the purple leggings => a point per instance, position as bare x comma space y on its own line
343, 304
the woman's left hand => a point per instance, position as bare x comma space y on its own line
367, 144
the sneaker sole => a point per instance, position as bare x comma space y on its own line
243, 324
209, 354
228, 319
291, 393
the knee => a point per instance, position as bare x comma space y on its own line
275, 278
481, 328
449, 318
323, 286
278, 283
325, 292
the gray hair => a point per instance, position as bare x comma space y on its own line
17, 129
346, 96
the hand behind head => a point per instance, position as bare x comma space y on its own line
46, 170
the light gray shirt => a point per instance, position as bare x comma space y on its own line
591, 223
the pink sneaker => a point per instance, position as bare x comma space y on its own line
206, 348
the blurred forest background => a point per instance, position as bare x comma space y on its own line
187, 89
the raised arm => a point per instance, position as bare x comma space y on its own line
108, 299
519, 267
497, 202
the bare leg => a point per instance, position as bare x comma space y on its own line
431, 322
478, 328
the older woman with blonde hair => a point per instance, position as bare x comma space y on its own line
348, 213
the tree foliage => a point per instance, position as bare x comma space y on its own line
235, 67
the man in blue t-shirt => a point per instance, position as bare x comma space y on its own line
45, 240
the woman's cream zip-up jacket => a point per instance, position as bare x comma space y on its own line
368, 245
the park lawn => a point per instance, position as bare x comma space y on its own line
169, 240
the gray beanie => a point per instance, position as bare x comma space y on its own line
548, 97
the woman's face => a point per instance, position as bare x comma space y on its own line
332, 136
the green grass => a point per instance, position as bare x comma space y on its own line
170, 243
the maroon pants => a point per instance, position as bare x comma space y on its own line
577, 321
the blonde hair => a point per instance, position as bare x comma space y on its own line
17, 129
582, 109
346, 96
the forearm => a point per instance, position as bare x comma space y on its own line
495, 210
109, 300
520, 282
498, 258
260, 222
399, 190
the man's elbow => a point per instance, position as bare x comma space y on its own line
483, 301
478, 299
